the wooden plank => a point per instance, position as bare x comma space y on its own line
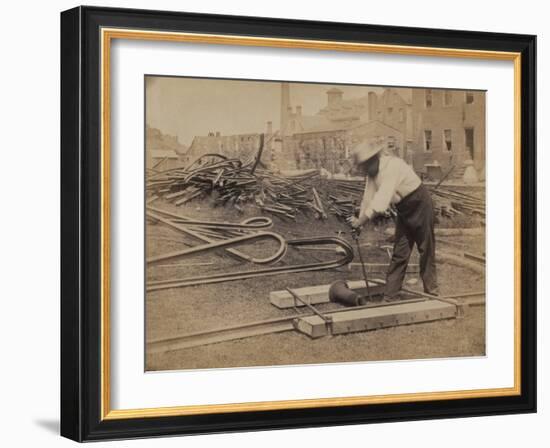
377, 317
315, 294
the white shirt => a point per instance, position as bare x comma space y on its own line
394, 181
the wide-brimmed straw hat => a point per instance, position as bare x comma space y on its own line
367, 148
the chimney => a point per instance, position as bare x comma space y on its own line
285, 105
334, 97
269, 128
372, 105
298, 110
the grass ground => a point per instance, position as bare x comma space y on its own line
199, 308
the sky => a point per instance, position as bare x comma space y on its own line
187, 107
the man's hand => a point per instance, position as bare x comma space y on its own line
355, 223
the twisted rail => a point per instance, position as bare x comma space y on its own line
346, 258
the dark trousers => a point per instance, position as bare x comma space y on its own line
415, 224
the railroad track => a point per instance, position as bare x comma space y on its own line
270, 326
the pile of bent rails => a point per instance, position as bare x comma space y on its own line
216, 236
232, 182
449, 202
345, 197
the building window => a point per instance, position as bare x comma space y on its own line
401, 115
447, 98
469, 141
428, 97
390, 110
469, 97
447, 139
427, 140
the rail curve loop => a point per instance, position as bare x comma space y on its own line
230, 242
208, 235
346, 257
254, 223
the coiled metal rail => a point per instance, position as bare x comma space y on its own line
187, 226
346, 257
222, 236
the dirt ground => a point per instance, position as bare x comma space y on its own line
180, 311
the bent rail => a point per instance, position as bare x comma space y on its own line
346, 258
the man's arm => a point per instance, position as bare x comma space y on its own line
381, 200
368, 194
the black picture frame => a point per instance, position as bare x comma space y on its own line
81, 224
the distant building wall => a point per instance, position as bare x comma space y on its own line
231, 146
391, 109
324, 140
393, 137
330, 149
449, 127
238, 146
321, 149
162, 163
420, 125
344, 111
162, 159
155, 139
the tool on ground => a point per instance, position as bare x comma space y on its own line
340, 292
355, 236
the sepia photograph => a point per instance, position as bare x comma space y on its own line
272, 223
291, 223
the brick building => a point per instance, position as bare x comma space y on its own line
162, 159
423, 126
449, 127
324, 140
163, 151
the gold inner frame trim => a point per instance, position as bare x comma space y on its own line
107, 35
